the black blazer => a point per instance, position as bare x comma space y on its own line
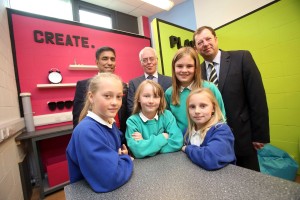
244, 97
164, 81
79, 99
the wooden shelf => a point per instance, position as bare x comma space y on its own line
83, 67
56, 85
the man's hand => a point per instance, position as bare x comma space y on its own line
258, 145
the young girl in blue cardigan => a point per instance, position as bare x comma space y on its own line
186, 76
94, 152
209, 142
152, 129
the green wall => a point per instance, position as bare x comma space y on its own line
272, 35
161, 31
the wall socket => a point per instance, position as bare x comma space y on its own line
5, 133
1, 135
11, 127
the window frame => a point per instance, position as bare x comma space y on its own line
81, 5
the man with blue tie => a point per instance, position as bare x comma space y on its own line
148, 59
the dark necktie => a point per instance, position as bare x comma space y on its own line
150, 77
213, 74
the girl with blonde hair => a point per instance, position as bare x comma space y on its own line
209, 141
95, 152
186, 76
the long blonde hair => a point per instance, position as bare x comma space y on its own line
215, 118
157, 90
197, 76
94, 84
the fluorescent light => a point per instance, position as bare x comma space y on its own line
163, 4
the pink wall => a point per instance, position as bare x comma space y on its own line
34, 57
146, 26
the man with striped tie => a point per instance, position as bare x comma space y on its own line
213, 77
240, 83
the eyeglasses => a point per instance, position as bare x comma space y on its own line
60, 105
146, 60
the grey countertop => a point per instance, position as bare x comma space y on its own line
174, 176
47, 133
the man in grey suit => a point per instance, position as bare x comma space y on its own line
240, 83
148, 58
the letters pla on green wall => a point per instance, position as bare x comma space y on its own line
166, 35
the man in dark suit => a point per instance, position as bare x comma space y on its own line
148, 58
106, 62
240, 84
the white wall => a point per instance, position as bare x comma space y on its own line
10, 153
9, 108
216, 13
181, 15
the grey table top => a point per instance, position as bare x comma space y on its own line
61, 130
174, 176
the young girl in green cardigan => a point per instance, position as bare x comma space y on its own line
186, 76
152, 129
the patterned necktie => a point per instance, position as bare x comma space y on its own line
213, 74
150, 77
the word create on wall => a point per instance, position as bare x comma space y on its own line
61, 39
177, 41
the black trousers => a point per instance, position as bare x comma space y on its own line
249, 161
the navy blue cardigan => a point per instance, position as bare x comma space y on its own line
217, 149
92, 155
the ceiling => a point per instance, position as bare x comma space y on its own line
131, 7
